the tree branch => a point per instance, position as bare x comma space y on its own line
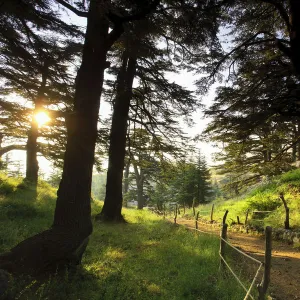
73, 9
282, 12
243, 44
135, 17
9, 148
119, 21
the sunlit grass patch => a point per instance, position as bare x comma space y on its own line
154, 288
262, 198
115, 254
24, 212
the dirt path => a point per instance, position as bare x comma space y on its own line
285, 272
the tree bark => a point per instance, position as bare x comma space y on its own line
265, 155
294, 148
65, 242
1, 140
287, 212
112, 207
140, 195
126, 177
298, 144
139, 178
295, 34
32, 165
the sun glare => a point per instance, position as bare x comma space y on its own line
41, 118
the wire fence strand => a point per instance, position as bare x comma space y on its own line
241, 252
247, 290
235, 276
206, 232
253, 281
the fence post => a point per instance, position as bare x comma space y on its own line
212, 214
287, 212
225, 216
246, 220
196, 220
263, 287
164, 208
223, 244
193, 206
175, 214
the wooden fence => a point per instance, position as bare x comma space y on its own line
225, 265
255, 213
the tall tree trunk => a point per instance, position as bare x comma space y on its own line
65, 242
112, 207
126, 181
265, 155
294, 148
127, 163
298, 144
126, 177
140, 194
295, 34
139, 178
1, 140
32, 165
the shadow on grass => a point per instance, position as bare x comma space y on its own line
23, 213
148, 260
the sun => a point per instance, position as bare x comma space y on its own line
41, 118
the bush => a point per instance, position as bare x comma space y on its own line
7, 185
293, 175
6, 188
264, 201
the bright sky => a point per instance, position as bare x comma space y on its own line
184, 78
187, 80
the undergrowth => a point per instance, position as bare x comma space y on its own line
147, 258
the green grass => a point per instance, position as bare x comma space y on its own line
147, 258
23, 212
262, 198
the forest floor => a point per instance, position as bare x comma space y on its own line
285, 272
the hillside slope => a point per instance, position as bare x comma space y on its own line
264, 197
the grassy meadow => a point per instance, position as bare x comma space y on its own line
264, 197
147, 258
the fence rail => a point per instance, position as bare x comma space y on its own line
256, 214
224, 264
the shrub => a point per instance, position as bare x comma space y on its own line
293, 175
264, 201
6, 188
7, 185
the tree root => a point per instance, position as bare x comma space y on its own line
46, 252
107, 219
